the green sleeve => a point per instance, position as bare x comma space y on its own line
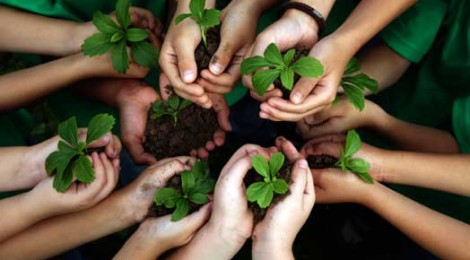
461, 123
412, 34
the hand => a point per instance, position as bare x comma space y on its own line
133, 102
294, 29
79, 196
332, 145
274, 236
236, 39
338, 119
177, 58
311, 95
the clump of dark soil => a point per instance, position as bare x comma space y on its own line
301, 52
158, 211
253, 176
321, 161
194, 128
203, 55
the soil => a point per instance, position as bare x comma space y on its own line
158, 211
253, 176
321, 161
194, 128
204, 55
301, 52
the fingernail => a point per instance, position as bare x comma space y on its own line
188, 76
113, 154
297, 98
216, 68
263, 115
281, 138
302, 163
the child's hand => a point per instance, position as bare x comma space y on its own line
274, 236
339, 118
78, 196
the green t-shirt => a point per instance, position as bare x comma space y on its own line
461, 123
434, 34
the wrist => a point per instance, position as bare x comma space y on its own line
308, 26
228, 240
271, 250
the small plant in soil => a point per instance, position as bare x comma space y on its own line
205, 18
190, 195
262, 192
169, 108
71, 158
279, 66
117, 37
360, 167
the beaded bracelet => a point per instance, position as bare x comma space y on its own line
314, 13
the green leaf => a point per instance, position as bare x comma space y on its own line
355, 95
188, 181
353, 66
288, 57
184, 104
174, 102
197, 7
358, 166
181, 211
260, 164
97, 44
210, 18
122, 13
199, 198
181, 18
280, 186
287, 78
99, 125
308, 67
263, 79
84, 170
275, 163
266, 196
136, 35
116, 37
58, 161
158, 105
63, 180
68, 131
80, 147
144, 54
273, 55
353, 143
120, 58
199, 168
66, 148
253, 64
363, 81
365, 177
253, 191
167, 197
104, 23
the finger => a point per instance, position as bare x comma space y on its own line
186, 62
101, 142
210, 145
159, 175
137, 151
214, 87
223, 112
281, 115
202, 153
100, 173
247, 149
219, 137
111, 178
288, 148
299, 179
222, 57
110, 150
328, 127
186, 160
302, 89
203, 101
117, 165
234, 175
224, 79
195, 221
309, 192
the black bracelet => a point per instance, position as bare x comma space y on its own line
314, 13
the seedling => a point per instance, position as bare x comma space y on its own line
354, 86
357, 166
263, 192
277, 66
117, 37
170, 108
205, 18
71, 158
195, 186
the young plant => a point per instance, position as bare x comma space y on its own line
357, 166
171, 107
195, 186
117, 37
205, 18
263, 192
71, 158
278, 66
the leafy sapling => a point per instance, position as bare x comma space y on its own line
71, 158
357, 166
195, 187
274, 65
205, 18
263, 192
354, 86
170, 108
117, 37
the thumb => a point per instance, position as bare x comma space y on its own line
186, 62
302, 89
222, 57
102, 141
195, 221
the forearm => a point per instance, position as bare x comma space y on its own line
271, 252
443, 236
67, 231
137, 247
50, 36
21, 87
436, 171
11, 159
322, 6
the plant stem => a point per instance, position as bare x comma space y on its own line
203, 34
